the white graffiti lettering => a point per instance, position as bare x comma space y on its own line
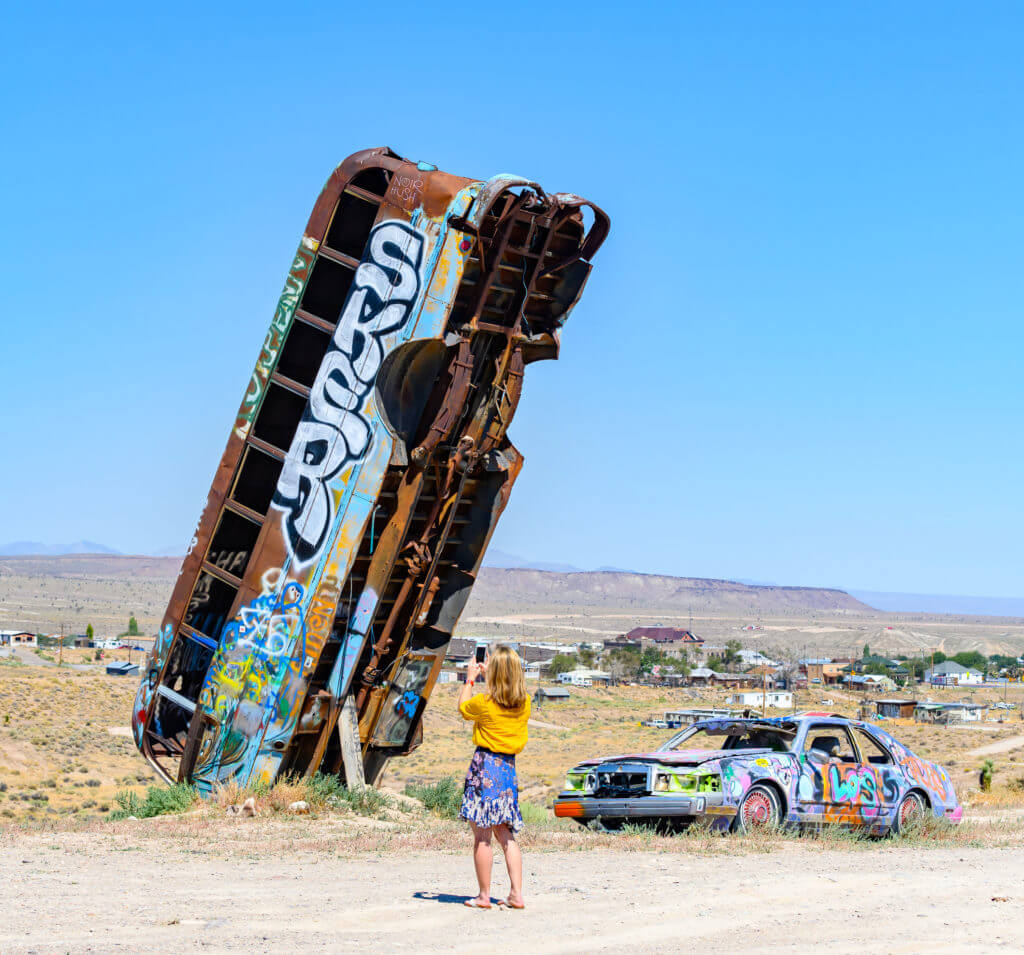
333, 433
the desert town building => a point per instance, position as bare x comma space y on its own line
780, 699
951, 673
551, 694
582, 676
895, 709
949, 712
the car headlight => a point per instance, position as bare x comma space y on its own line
581, 781
574, 781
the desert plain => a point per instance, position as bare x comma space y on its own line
391, 878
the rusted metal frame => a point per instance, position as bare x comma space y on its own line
363, 194
222, 575
455, 396
444, 506
290, 384
310, 319
187, 630
190, 751
338, 257
382, 565
175, 749
431, 575
261, 445
503, 228
592, 239
242, 511
414, 562
440, 428
466, 456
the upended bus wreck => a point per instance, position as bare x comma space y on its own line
364, 475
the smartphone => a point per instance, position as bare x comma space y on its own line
481, 652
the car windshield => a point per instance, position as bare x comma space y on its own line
733, 735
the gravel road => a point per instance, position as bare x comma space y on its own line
89, 893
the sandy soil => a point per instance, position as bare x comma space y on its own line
1002, 746
86, 893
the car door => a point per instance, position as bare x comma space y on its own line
875, 756
834, 785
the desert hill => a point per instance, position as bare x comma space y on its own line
502, 588
40, 592
43, 592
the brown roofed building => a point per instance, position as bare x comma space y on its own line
671, 640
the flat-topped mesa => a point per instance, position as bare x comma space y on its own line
365, 472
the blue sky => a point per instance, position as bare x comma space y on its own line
797, 360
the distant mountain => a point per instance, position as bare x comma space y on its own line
569, 592
942, 603
35, 548
499, 558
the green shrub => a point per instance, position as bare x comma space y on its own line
159, 801
326, 791
535, 815
444, 797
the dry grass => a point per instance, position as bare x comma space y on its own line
58, 758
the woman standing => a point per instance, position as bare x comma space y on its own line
490, 800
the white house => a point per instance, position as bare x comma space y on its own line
950, 673
755, 658
780, 699
17, 638
583, 677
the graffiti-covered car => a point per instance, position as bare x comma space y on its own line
741, 774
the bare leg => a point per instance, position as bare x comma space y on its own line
483, 858
513, 862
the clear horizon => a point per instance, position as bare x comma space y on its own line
797, 358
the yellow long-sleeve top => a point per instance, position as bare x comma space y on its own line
496, 729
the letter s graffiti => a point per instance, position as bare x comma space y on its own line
333, 432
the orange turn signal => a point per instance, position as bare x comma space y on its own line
570, 809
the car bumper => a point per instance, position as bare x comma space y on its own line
569, 806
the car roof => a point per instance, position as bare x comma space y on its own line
783, 722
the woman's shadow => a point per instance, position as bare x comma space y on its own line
446, 897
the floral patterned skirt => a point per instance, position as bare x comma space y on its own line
491, 794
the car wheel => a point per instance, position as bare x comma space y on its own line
911, 809
760, 809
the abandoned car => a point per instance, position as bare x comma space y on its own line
746, 773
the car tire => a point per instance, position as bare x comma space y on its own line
912, 807
760, 809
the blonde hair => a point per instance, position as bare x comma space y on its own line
505, 681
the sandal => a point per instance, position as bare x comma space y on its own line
505, 903
476, 904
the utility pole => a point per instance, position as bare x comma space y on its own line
60, 648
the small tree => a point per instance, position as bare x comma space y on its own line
867, 651
561, 663
971, 659
133, 626
89, 632
985, 776
624, 662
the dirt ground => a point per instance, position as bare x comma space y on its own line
129, 890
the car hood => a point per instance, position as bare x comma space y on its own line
679, 757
